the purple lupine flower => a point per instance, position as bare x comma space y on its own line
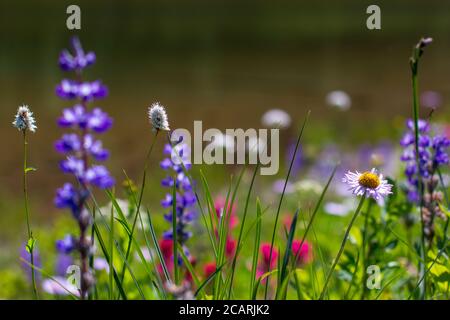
432, 153
79, 147
421, 175
85, 91
63, 262
185, 198
78, 60
66, 245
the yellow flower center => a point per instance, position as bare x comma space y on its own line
369, 180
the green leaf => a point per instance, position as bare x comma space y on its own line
30, 245
30, 169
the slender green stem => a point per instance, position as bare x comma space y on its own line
127, 254
241, 230
365, 255
281, 199
30, 242
341, 249
415, 88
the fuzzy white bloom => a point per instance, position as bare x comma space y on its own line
368, 183
339, 99
158, 117
24, 119
276, 118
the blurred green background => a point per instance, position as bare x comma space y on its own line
223, 62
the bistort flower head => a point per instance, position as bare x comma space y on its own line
24, 119
368, 183
158, 117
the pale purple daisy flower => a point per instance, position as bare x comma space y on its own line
368, 183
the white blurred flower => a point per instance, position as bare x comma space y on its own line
59, 286
224, 141
276, 118
101, 264
278, 186
308, 186
339, 99
337, 209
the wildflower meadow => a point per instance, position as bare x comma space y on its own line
285, 210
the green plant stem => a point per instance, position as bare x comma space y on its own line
365, 255
341, 249
281, 199
415, 88
127, 254
27, 214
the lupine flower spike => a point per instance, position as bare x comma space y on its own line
79, 147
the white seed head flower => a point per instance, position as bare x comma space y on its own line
158, 117
24, 119
368, 183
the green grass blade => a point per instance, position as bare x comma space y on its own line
256, 247
282, 194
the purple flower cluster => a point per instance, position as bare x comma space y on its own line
422, 178
432, 154
65, 247
81, 147
185, 198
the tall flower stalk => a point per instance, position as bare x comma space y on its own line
24, 122
81, 147
180, 202
414, 64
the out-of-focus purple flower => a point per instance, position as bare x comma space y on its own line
100, 177
77, 59
95, 148
67, 197
73, 166
80, 148
85, 91
298, 161
99, 121
63, 262
185, 198
68, 143
278, 186
75, 116
431, 99
433, 152
66, 245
